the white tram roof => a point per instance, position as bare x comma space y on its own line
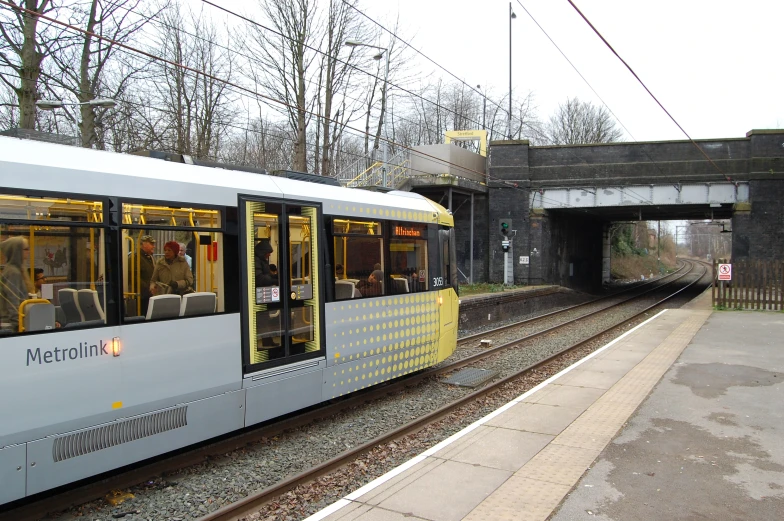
35, 165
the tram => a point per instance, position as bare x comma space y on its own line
146, 305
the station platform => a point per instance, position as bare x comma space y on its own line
682, 417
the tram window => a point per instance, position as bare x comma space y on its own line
173, 264
52, 275
443, 261
409, 271
32, 208
154, 215
358, 259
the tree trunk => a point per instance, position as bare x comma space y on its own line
30, 71
87, 125
300, 147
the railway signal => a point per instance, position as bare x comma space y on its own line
506, 225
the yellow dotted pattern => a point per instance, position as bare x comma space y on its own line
352, 210
373, 340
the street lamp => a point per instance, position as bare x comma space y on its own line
484, 105
378, 56
512, 16
57, 104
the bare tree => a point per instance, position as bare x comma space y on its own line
197, 106
23, 49
89, 71
282, 63
262, 144
336, 80
576, 122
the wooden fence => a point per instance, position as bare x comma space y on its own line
755, 284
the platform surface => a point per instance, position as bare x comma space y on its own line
681, 418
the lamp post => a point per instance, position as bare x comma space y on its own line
56, 104
512, 16
484, 106
87, 125
677, 227
383, 51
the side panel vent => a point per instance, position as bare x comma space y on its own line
113, 434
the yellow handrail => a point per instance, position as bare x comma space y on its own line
92, 258
132, 272
31, 246
139, 275
374, 165
22, 306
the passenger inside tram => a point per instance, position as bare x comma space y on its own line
264, 275
172, 274
373, 285
15, 285
147, 267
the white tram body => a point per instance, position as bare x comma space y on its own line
99, 370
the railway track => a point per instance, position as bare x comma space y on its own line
252, 503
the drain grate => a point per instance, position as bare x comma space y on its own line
470, 377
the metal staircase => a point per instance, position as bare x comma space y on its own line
359, 174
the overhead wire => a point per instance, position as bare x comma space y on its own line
319, 51
410, 46
310, 82
243, 89
699, 148
653, 161
277, 134
397, 37
215, 78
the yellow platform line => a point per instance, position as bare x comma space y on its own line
537, 489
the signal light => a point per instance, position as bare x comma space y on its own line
504, 227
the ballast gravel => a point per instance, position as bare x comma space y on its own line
193, 492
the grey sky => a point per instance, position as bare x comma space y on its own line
714, 64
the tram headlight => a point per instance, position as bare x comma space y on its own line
440, 300
116, 348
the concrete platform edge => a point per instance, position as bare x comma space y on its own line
348, 499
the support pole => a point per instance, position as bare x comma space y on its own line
471, 245
506, 268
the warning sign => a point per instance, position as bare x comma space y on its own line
725, 271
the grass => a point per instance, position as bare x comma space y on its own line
633, 266
484, 287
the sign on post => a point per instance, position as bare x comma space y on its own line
725, 271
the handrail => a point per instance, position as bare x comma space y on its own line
92, 258
354, 181
139, 275
132, 271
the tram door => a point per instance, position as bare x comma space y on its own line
282, 319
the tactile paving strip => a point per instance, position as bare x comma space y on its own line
539, 486
536, 503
